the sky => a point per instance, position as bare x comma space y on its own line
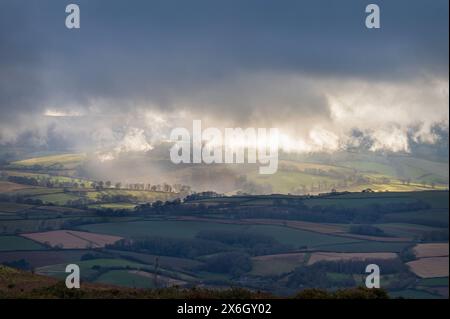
137, 69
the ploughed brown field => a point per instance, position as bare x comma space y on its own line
431, 250
432, 267
6, 187
69, 239
432, 260
331, 256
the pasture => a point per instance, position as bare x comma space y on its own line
126, 278
189, 229
16, 243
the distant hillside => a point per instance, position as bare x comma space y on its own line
297, 174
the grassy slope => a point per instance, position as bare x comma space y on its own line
292, 175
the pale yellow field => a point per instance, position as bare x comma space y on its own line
68, 239
430, 267
331, 256
431, 250
53, 159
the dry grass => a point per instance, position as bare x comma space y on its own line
69, 239
331, 256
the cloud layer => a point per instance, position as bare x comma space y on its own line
311, 68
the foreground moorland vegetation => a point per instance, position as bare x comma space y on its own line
18, 284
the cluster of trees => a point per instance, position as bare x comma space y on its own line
166, 188
15, 198
232, 263
315, 275
434, 235
253, 244
50, 182
247, 187
205, 243
21, 264
202, 195
187, 248
54, 182
23, 180
290, 209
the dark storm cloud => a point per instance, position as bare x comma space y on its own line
149, 49
233, 59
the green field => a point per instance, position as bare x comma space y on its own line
163, 261
287, 181
58, 199
88, 267
189, 229
356, 202
405, 230
128, 206
40, 258
12, 243
438, 217
434, 282
365, 247
126, 279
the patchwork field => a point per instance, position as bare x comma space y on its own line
72, 239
